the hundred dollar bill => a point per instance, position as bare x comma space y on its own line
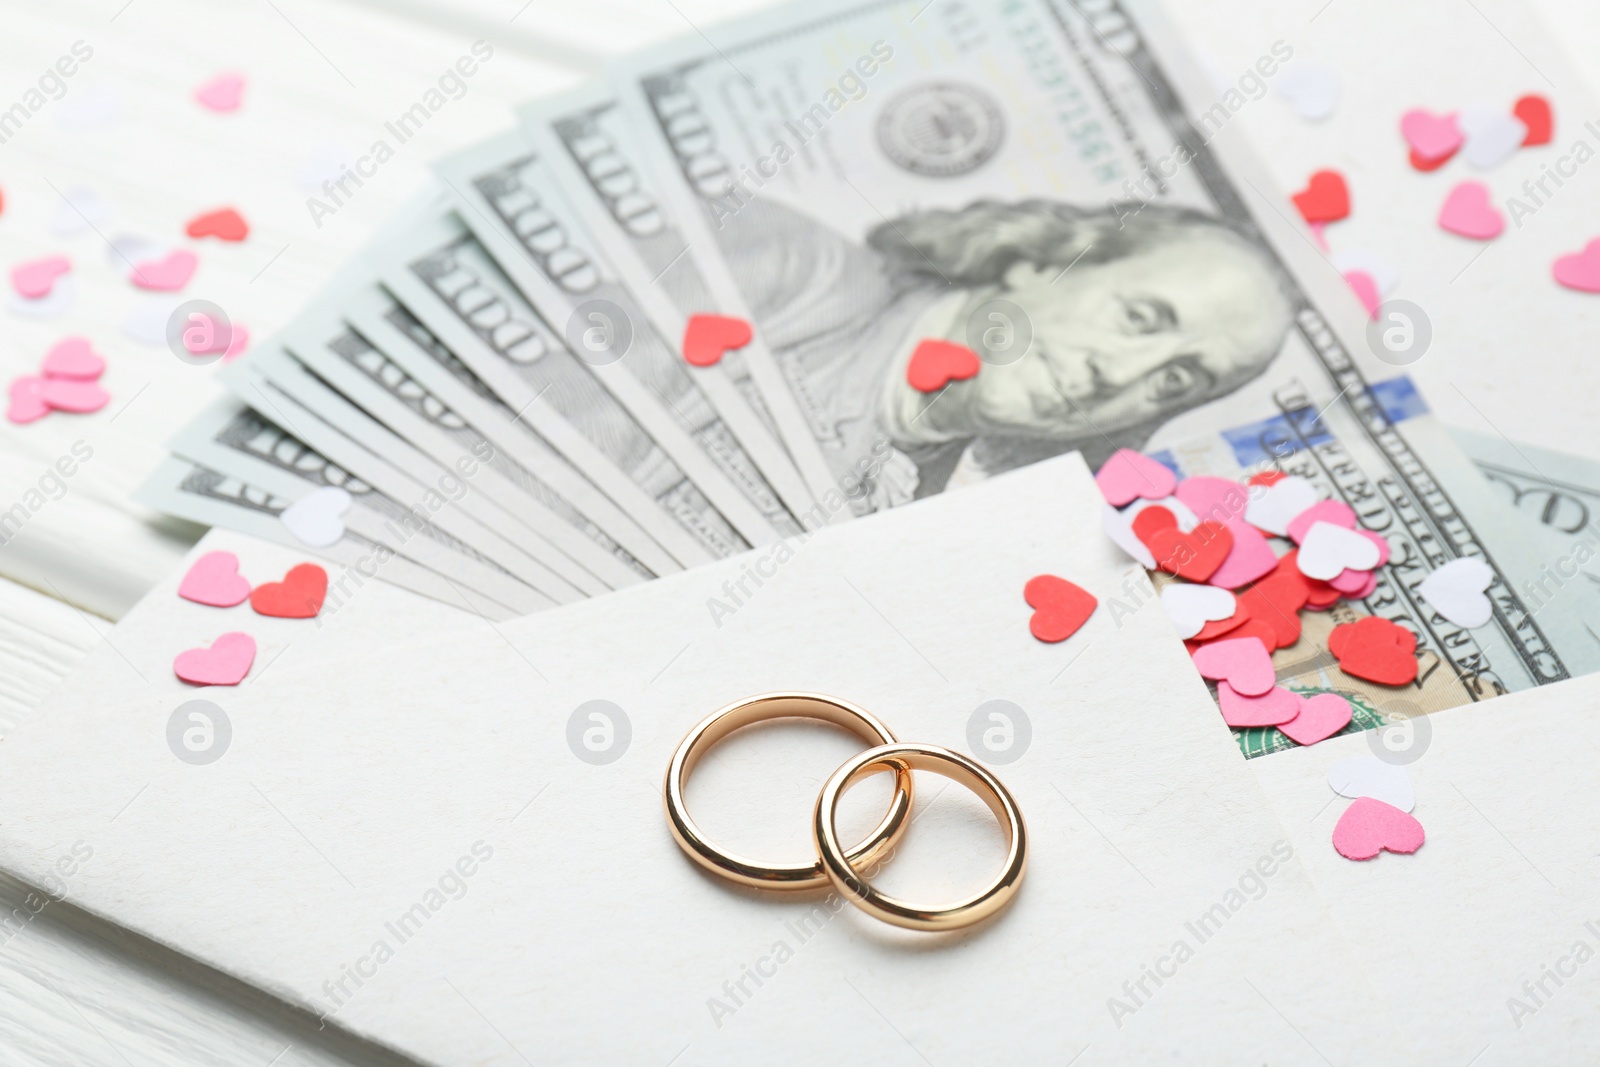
238, 442
447, 384
190, 491
1455, 665
446, 278
509, 197
589, 146
277, 386
1557, 496
1023, 178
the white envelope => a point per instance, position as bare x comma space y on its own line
400, 837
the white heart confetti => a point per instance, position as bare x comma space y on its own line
316, 519
1192, 606
1329, 550
1119, 528
1492, 137
1274, 509
1456, 591
1311, 89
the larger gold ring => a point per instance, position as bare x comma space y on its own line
903, 759
759, 709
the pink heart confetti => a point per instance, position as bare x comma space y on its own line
1320, 717
27, 400
65, 394
1366, 290
168, 274
1357, 585
1469, 212
34, 279
1581, 270
1252, 557
1129, 475
1369, 826
1242, 662
1278, 706
1431, 136
226, 662
223, 93
214, 580
73, 357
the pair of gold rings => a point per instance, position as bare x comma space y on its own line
836, 864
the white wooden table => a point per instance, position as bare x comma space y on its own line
322, 76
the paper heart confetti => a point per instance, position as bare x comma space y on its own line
226, 662
1469, 212
1375, 649
1129, 475
1250, 558
34, 279
1195, 555
1431, 136
27, 400
298, 596
1187, 520
1218, 499
1273, 510
1491, 137
1581, 270
1277, 706
1251, 628
1366, 289
1191, 607
1368, 776
935, 364
1242, 662
1320, 718
1060, 607
1370, 826
73, 357
1275, 601
316, 519
1456, 591
1536, 114
1311, 89
223, 93
225, 224
52, 305
147, 322
1357, 585
1118, 527
707, 338
215, 580
1329, 549
167, 274
1267, 477
1335, 511
1326, 198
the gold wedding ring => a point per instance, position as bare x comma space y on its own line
902, 760
744, 713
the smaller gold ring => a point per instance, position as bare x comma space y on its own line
744, 713
903, 759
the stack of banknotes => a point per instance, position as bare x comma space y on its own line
492, 404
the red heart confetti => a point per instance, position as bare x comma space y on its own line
1425, 164
707, 338
298, 596
1536, 114
1060, 608
1375, 649
225, 224
1267, 478
935, 364
1195, 555
1325, 199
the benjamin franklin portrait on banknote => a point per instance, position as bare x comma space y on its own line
1096, 326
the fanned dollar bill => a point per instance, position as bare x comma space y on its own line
1025, 179
187, 489
233, 440
510, 199
449, 281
